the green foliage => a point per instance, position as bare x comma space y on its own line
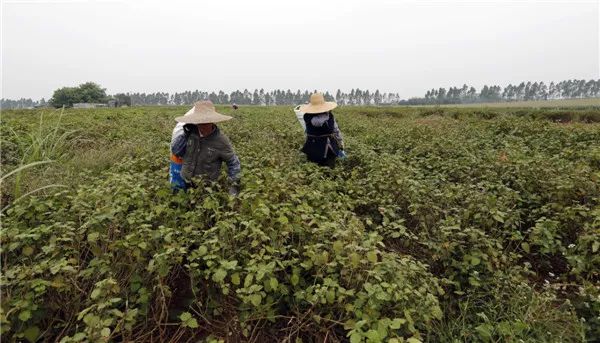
122, 99
46, 144
85, 92
48, 141
435, 229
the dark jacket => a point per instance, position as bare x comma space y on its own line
204, 156
321, 141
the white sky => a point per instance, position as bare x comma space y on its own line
399, 46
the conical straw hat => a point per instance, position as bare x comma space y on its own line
203, 113
318, 104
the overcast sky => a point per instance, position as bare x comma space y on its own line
398, 46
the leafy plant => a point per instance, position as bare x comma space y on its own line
479, 226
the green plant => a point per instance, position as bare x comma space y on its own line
45, 143
441, 228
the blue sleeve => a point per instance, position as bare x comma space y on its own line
178, 145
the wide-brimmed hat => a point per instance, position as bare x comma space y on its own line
203, 112
318, 104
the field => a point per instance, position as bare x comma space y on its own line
442, 225
558, 103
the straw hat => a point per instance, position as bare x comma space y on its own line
203, 112
318, 104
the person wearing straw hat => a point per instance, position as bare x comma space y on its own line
203, 148
324, 142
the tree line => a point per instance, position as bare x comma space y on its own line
524, 91
262, 97
91, 92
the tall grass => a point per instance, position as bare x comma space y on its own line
44, 144
18, 171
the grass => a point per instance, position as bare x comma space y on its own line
48, 142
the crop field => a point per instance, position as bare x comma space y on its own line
442, 225
558, 103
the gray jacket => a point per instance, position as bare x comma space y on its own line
204, 156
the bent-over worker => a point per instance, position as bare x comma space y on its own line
324, 140
203, 147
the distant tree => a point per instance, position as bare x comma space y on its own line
377, 98
123, 99
338, 97
463, 92
86, 92
529, 91
213, 97
552, 91
472, 94
592, 88
351, 97
580, 88
21, 103
65, 96
508, 93
358, 97
367, 97
305, 96
223, 97
484, 94
256, 98
441, 95
288, 97
542, 91
520, 91
246, 97
328, 97
494, 93
268, 99
92, 92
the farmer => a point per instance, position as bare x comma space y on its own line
323, 137
203, 148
